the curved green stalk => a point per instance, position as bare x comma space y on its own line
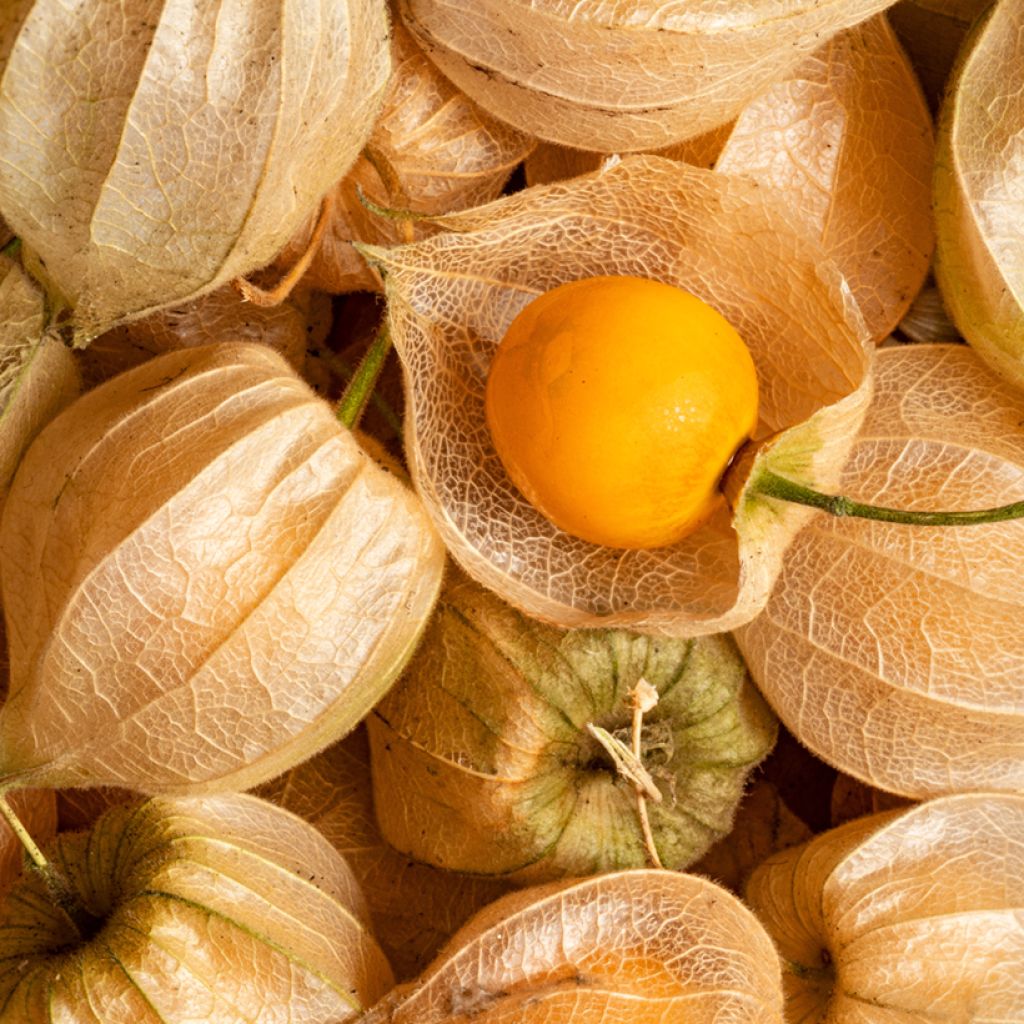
364, 380
770, 485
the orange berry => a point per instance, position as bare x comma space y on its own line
615, 404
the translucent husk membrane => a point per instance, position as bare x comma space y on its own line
912, 916
190, 909
622, 76
452, 297
894, 652
206, 580
157, 150
635, 945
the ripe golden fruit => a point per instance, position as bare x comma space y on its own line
615, 403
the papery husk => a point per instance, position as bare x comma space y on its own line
764, 825
37, 811
979, 192
845, 140
451, 298
222, 315
216, 909
895, 652
156, 152
637, 946
206, 580
414, 907
432, 150
932, 32
38, 376
909, 916
484, 759
623, 76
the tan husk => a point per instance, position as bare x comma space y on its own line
37, 811
38, 376
979, 192
637, 946
216, 909
414, 907
206, 579
485, 759
845, 140
222, 315
153, 153
911, 916
626, 75
432, 150
895, 652
451, 298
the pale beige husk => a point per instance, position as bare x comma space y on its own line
845, 140
214, 909
623, 75
414, 907
912, 916
637, 946
485, 757
38, 376
155, 152
895, 652
432, 150
979, 192
37, 811
451, 298
206, 580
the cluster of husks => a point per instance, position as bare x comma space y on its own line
208, 582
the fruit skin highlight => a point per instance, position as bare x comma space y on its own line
615, 405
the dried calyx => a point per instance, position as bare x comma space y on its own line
581, 751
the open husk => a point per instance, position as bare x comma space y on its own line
432, 150
205, 580
913, 916
214, 909
414, 907
895, 652
845, 140
637, 946
452, 297
979, 192
38, 376
620, 76
155, 151
486, 758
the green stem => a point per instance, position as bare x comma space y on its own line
360, 387
21, 832
343, 369
770, 485
11, 249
